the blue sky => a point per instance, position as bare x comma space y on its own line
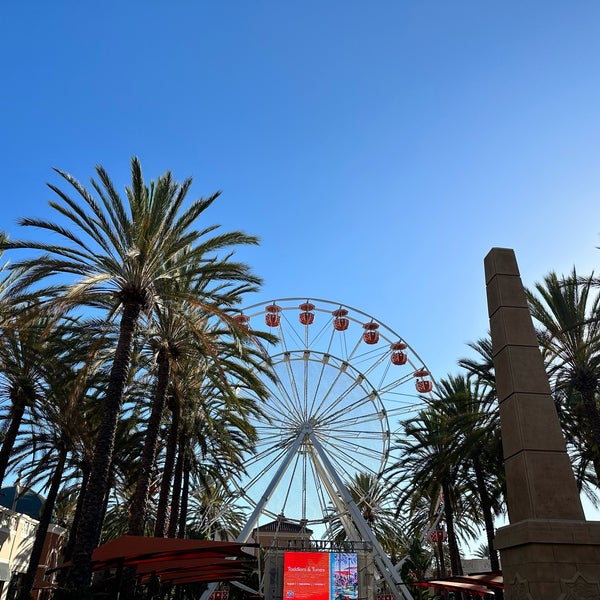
379, 149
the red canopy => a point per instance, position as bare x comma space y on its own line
479, 583
176, 560
134, 549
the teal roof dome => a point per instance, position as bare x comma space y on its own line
29, 503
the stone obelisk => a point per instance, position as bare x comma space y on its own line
548, 551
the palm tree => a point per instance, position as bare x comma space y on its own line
214, 513
9, 307
572, 418
44, 522
116, 252
477, 445
425, 469
374, 501
568, 312
167, 349
21, 378
481, 367
168, 466
215, 434
57, 426
185, 334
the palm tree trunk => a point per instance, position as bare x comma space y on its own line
18, 410
441, 560
177, 480
68, 550
184, 497
139, 502
486, 509
80, 575
167, 476
455, 564
488, 519
42, 528
70, 545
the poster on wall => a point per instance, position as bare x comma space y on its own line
320, 576
344, 576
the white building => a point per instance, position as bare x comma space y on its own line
17, 534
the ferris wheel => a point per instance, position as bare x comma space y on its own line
343, 383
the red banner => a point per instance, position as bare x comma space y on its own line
306, 576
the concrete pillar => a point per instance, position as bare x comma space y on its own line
548, 551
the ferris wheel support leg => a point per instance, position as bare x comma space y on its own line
337, 502
245, 533
384, 564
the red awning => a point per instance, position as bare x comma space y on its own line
455, 586
492, 580
176, 560
480, 583
133, 550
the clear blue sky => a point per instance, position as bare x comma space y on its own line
379, 149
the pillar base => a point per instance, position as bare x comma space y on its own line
550, 559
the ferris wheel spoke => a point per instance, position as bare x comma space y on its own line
351, 356
354, 417
374, 364
289, 486
305, 388
359, 435
295, 397
331, 337
279, 407
363, 406
371, 441
333, 408
404, 410
319, 382
348, 471
270, 441
274, 438
325, 403
381, 369
289, 337
370, 361
354, 466
281, 412
393, 385
349, 449
273, 420
256, 462
319, 336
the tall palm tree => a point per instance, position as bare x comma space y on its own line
477, 448
114, 254
425, 468
174, 402
215, 434
25, 348
183, 335
568, 312
57, 426
215, 388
